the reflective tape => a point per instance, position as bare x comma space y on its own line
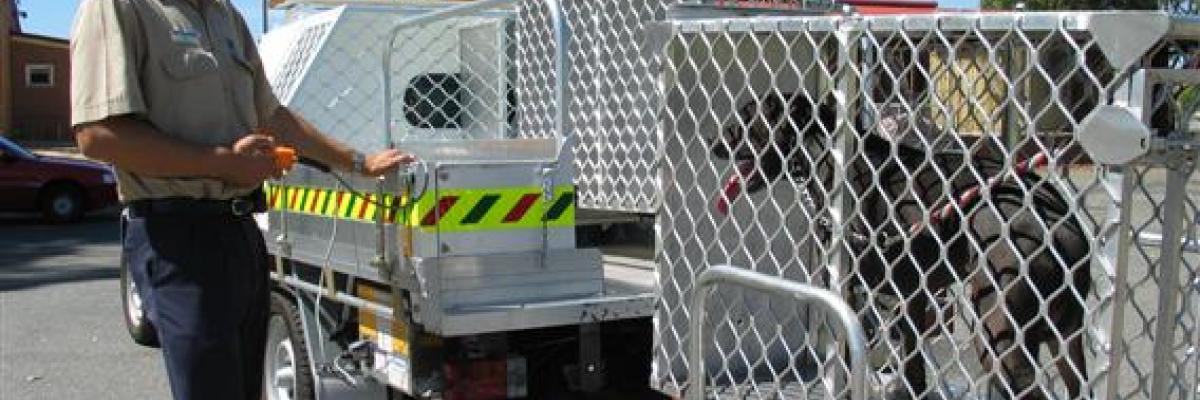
452, 210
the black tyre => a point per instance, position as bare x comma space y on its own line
136, 322
287, 374
62, 203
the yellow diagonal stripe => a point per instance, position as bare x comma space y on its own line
352, 206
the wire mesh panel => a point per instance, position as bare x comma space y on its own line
954, 178
614, 101
454, 78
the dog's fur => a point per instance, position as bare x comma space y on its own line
984, 244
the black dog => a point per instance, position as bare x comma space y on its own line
1016, 246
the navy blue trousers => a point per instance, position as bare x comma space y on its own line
203, 281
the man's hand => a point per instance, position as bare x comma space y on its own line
386, 161
248, 162
254, 144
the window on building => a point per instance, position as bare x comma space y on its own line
39, 75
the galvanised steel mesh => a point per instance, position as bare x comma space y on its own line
932, 169
614, 102
453, 78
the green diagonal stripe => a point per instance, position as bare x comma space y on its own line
325, 204
564, 202
481, 209
350, 209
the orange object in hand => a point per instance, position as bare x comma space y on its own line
285, 157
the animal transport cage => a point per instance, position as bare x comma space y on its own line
612, 103
1003, 198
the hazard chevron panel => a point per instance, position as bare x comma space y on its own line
453, 209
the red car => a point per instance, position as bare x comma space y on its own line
63, 189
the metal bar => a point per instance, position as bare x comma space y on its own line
811, 295
1118, 240
340, 297
1116, 251
1156, 239
265, 16
561, 35
1170, 261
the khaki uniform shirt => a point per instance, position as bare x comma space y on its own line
188, 67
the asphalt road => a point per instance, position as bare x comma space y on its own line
61, 331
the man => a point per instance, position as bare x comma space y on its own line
169, 92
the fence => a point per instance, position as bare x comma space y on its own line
1002, 198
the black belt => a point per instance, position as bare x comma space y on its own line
254, 202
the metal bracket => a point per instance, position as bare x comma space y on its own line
383, 266
1126, 37
547, 175
1173, 151
1114, 135
1119, 134
284, 245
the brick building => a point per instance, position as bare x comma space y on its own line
8, 23
34, 82
40, 91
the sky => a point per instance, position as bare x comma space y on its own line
53, 17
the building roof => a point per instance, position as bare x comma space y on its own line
41, 40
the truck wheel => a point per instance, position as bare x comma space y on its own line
140, 329
287, 374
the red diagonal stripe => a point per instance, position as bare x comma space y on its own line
292, 201
443, 207
275, 193
367, 199
312, 208
521, 208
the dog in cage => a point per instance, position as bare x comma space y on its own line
922, 219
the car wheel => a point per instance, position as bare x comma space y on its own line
62, 203
287, 374
136, 322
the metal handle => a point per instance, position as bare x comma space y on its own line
856, 339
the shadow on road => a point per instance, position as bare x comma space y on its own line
36, 253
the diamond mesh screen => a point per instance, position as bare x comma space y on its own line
928, 169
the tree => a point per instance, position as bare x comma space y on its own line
1061, 5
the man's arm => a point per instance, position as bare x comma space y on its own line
136, 146
292, 129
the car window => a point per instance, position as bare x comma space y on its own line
11, 148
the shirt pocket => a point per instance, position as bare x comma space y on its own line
243, 78
189, 63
